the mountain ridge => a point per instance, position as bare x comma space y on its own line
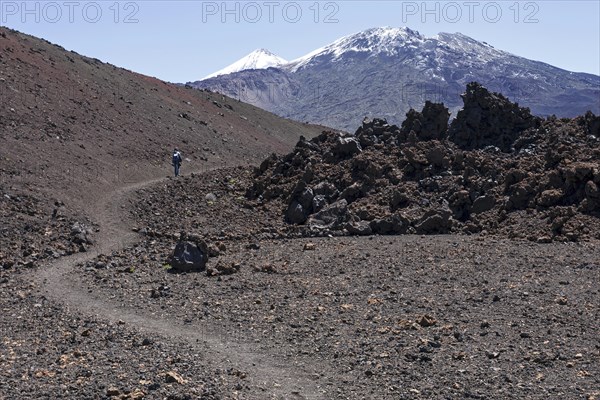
387, 71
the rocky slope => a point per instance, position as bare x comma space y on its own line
496, 169
73, 128
401, 316
68, 120
384, 72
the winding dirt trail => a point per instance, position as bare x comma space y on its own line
270, 375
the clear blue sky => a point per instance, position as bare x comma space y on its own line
181, 41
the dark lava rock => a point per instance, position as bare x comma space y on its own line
499, 171
347, 147
189, 257
429, 124
489, 119
331, 216
295, 213
483, 204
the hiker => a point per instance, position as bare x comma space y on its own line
176, 161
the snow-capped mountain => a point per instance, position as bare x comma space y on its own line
374, 42
258, 59
386, 71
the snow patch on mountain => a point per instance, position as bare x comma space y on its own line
373, 41
258, 59
393, 41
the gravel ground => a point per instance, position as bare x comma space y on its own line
390, 317
393, 317
49, 351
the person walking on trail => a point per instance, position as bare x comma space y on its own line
176, 161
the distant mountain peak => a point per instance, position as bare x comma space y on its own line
258, 59
391, 41
373, 41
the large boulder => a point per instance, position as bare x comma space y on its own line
295, 213
325, 189
483, 203
347, 147
352, 192
359, 228
435, 221
319, 202
393, 224
592, 123
549, 198
300, 206
592, 197
189, 256
521, 196
398, 200
330, 217
375, 131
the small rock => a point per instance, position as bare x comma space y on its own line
426, 321
210, 198
269, 268
562, 301
174, 377
223, 269
213, 250
137, 395
309, 246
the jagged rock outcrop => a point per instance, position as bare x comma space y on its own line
430, 124
376, 131
489, 119
412, 180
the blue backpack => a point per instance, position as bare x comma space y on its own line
176, 158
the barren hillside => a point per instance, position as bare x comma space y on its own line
73, 123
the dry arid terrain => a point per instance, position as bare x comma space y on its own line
426, 261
